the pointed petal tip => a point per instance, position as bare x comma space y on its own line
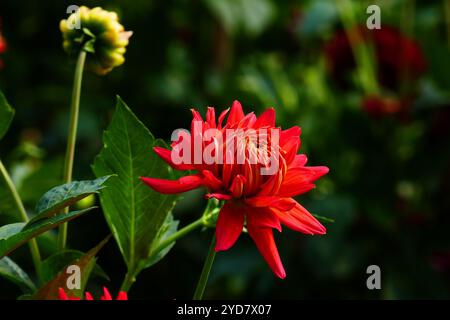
281, 274
321, 170
122, 295
164, 186
218, 248
323, 231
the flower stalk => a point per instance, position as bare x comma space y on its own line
201, 285
366, 70
34, 248
71, 139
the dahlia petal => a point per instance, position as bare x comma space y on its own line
300, 180
300, 160
173, 186
222, 117
263, 217
291, 148
62, 294
211, 181
299, 219
106, 295
197, 124
268, 187
266, 119
218, 196
249, 173
122, 295
292, 190
283, 204
196, 115
166, 155
263, 238
287, 134
229, 226
88, 296
211, 117
248, 121
236, 114
227, 169
237, 186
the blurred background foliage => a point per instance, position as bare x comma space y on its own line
387, 149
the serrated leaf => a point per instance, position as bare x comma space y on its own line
6, 115
86, 263
60, 197
11, 271
134, 212
55, 263
14, 235
168, 228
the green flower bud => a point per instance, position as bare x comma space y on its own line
99, 33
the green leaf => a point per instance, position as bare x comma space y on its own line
6, 115
168, 228
66, 195
55, 263
134, 212
11, 271
14, 235
86, 263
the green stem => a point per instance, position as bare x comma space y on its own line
362, 53
179, 234
127, 282
72, 137
201, 285
34, 248
210, 211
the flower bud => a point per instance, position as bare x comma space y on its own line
99, 33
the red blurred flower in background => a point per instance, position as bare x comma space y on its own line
399, 60
261, 202
2, 45
106, 295
378, 106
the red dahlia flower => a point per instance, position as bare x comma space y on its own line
260, 201
106, 295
